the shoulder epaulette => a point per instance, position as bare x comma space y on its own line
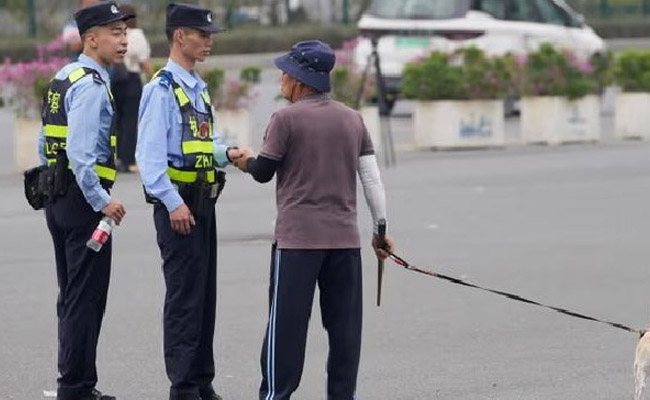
97, 78
166, 78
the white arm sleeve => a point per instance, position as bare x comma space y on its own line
373, 188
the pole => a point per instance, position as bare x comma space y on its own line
31, 17
381, 243
346, 12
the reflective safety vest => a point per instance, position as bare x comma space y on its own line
55, 121
197, 136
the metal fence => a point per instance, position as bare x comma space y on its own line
611, 9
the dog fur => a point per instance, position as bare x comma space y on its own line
642, 368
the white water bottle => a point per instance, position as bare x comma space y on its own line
101, 234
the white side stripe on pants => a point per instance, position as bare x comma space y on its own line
270, 340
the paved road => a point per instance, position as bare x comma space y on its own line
566, 225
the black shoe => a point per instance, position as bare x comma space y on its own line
94, 395
211, 396
97, 395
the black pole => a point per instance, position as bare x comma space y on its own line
384, 108
346, 12
31, 17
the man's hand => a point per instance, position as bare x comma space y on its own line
382, 253
182, 220
242, 161
114, 210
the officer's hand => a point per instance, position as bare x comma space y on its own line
114, 210
182, 220
381, 252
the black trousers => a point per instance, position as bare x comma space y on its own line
127, 102
294, 275
190, 269
83, 277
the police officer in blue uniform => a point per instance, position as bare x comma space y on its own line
77, 144
176, 153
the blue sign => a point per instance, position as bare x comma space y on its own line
476, 128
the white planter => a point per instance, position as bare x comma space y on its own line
370, 115
26, 143
632, 116
554, 119
234, 126
459, 124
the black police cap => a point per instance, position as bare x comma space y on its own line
101, 14
191, 16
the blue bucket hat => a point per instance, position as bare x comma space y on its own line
310, 62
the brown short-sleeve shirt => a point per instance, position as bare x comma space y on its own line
317, 142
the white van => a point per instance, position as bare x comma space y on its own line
408, 29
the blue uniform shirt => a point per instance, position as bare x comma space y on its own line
160, 133
89, 110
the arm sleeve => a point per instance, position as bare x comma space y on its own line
261, 168
373, 188
86, 100
151, 150
220, 150
41, 146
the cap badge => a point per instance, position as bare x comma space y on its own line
114, 9
208, 16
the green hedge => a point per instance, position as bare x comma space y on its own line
265, 40
622, 28
239, 41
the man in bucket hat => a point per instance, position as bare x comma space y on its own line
316, 146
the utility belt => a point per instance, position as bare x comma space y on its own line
200, 196
44, 184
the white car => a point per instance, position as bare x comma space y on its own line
408, 29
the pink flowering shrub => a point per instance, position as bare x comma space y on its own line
22, 84
551, 72
347, 80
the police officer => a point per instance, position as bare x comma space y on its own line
78, 144
176, 153
316, 146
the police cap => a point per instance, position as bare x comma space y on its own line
101, 14
191, 16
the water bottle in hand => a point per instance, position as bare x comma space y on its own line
101, 234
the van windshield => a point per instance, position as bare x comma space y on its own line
418, 9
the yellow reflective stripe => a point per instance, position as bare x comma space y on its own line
187, 176
206, 97
76, 75
197, 146
50, 161
157, 73
181, 96
113, 140
105, 172
56, 131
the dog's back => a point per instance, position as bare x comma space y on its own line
642, 368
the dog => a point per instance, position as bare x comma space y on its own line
642, 368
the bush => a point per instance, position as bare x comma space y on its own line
232, 94
550, 72
464, 74
632, 71
346, 80
265, 39
250, 74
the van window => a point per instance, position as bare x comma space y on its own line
496, 8
419, 9
522, 10
551, 13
